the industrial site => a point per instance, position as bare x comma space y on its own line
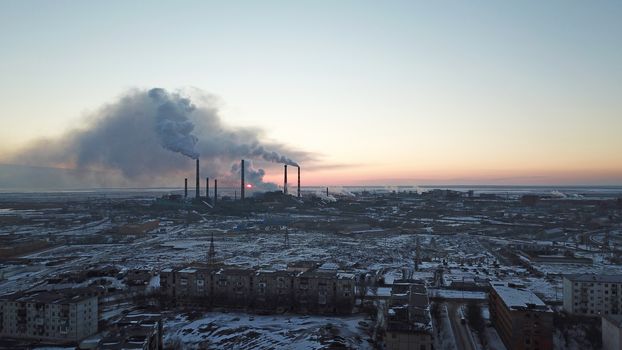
310, 175
311, 268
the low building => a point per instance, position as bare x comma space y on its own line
593, 295
522, 319
134, 331
409, 324
138, 277
63, 316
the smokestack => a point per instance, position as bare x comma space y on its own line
285, 179
186, 188
326, 191
215, 190
207, 188
242, 180
298, 181
197, 193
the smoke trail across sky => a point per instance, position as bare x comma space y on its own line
143, 135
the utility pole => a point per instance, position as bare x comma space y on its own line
211, 255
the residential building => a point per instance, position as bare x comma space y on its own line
233, 287
67, 315
295, 288
409, 324
274, 290
523, 321
593, 295
611, 327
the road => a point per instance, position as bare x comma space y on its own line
461, 331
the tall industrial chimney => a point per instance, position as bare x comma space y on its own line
197, 193
185, 187
215, 190
207, 188
298, 181
285, 179
242, 180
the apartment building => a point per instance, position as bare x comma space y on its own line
297, 288
522, 319
611, 328
593, 295
233, 287
274, 290
57, 316
323, 291
409, 323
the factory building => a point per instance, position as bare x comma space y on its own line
522, 320
62, 316
593, 295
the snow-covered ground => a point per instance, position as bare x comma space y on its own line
243, 331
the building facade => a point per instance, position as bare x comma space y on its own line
56, 316
593, 295
298, 289
522, 320
611, 327
409, 324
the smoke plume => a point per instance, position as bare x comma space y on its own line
141, 137
253, 176
172, 123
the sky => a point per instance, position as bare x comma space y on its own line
381, 92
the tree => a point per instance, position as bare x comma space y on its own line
476, 320
435, 311
363, 287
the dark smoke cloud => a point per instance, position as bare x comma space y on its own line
144, 134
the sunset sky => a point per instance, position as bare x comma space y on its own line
381, 92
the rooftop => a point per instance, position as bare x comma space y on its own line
62, 296
518, 298
590, 277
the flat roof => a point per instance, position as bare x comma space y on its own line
590, 277
61, 296
188, 270
518, 298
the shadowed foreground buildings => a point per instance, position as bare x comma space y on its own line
611, 326
523, 321
409, 325
57, 316
304, 289
134, 331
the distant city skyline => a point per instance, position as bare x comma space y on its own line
395, 93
